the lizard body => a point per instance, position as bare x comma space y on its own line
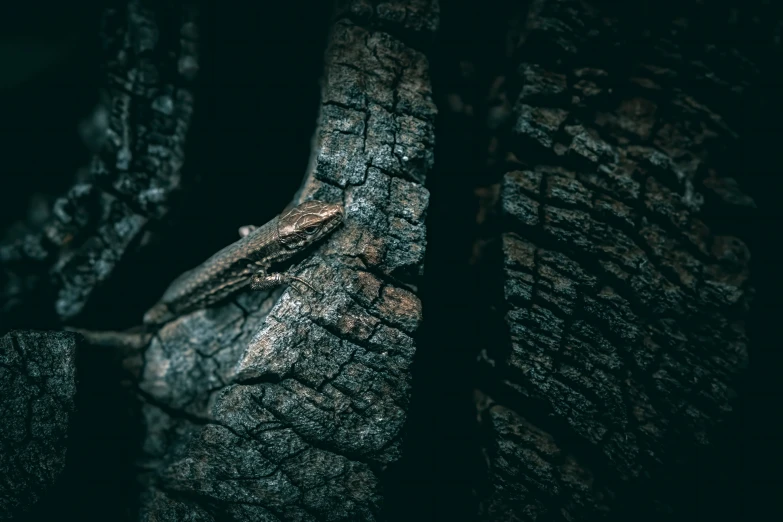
246, 261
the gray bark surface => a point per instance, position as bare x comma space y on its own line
623, 306
151, 62
37, 391
599, 317
288, 406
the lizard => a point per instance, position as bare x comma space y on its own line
248, 260
242, 263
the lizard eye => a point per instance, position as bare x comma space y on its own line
311, 229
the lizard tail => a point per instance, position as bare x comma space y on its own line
129, 340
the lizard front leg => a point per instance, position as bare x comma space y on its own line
263, 281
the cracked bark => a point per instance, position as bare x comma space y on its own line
621, 301
620, 292
51, 269
286, 406
37, 390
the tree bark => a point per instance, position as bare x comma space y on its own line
51, 270
37, 396
587, 292
621, 300
289, 406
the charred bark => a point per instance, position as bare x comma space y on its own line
622, 300
287, 407
587, 295
51, 269
37, 397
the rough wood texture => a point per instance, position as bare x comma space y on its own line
288, 406
37, 389
605, 333
409, 15
624, 305
151, 62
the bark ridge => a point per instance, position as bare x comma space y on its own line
287, 407
624, 310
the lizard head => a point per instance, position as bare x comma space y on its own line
305, 224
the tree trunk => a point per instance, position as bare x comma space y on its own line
621, 294
561, 332
294, 404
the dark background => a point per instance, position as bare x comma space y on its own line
248, 149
